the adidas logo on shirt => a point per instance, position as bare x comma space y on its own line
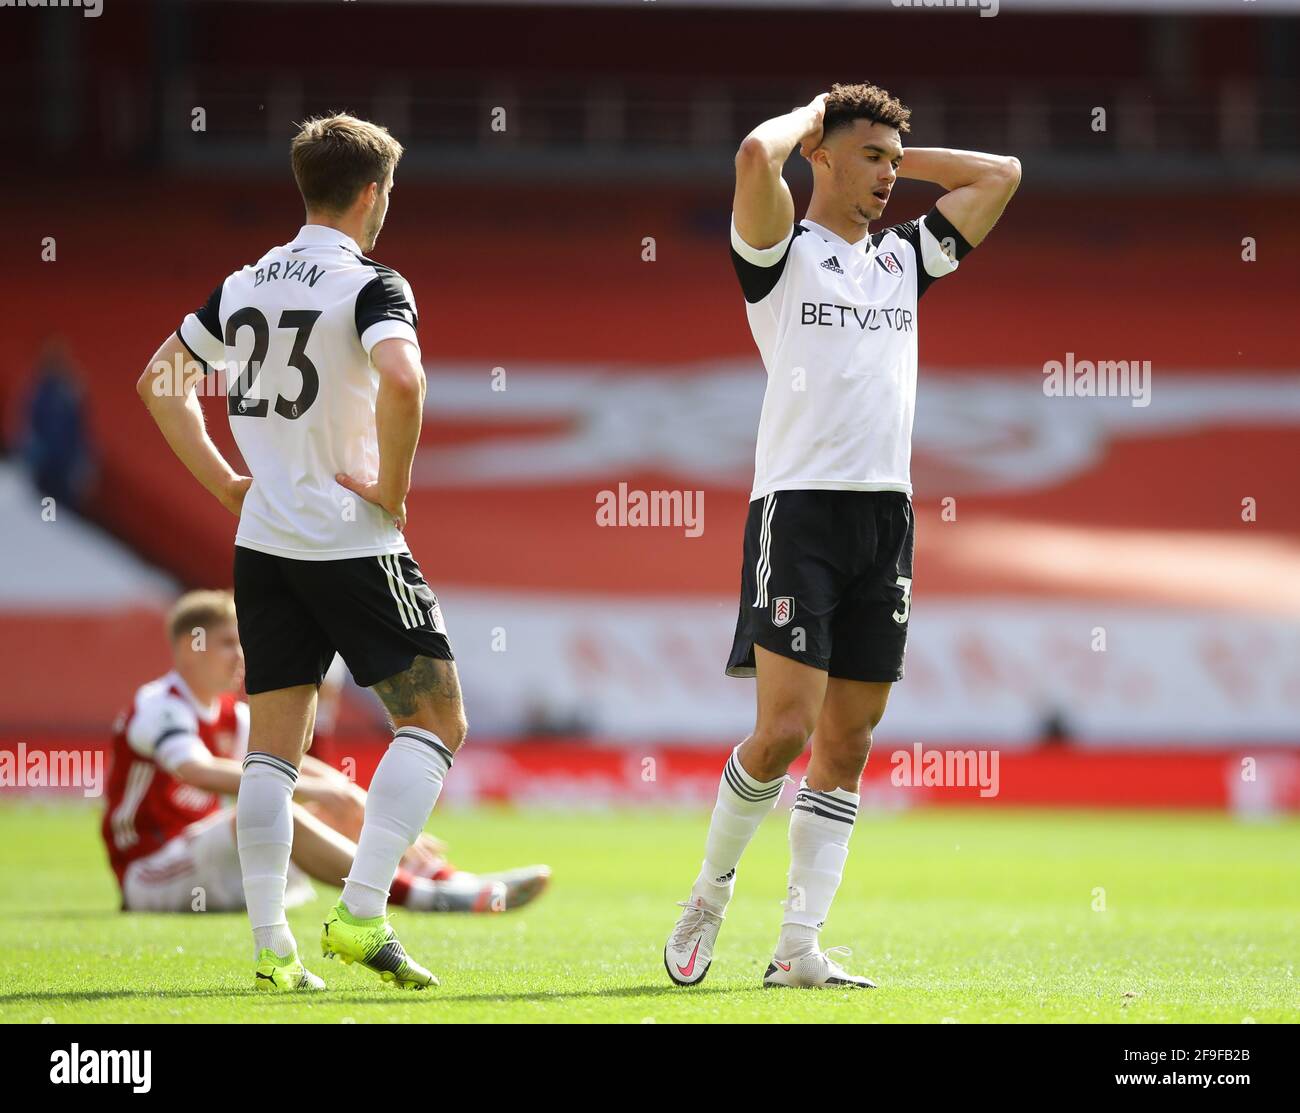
833, 264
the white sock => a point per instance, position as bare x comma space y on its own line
422, 895
742, 804
264, 834
820, 826
402, 794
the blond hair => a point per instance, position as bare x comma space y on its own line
199, 609
335, 157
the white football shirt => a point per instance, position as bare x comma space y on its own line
293, 333
835, 324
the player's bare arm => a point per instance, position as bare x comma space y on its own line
180, 417
399, 411
221, 776
346, 813
763, 207
803, 567
979, 185
317, 768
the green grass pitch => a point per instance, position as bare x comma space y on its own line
960, 915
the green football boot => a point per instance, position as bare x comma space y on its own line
374, 945
283, 975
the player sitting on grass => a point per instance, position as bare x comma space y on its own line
170, 841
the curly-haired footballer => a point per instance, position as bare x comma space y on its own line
827, 575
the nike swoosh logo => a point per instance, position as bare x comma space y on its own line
689, 968
784, 965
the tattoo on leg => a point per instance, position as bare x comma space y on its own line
428, 679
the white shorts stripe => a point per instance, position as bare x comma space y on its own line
764, 567
138, 781
398, 598
412, 600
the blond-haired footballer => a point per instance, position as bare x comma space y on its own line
176, 752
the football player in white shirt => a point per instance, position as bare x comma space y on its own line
325, 393
826, 586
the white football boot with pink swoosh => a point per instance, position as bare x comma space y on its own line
815, 971
689, 950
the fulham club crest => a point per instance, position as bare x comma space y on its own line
782, 610
890, 262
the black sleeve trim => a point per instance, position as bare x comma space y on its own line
943, 229
384, 298
197, 358
209, 313
909, 231
169, 734
757, 282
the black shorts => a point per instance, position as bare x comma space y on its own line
294, 615
827, 580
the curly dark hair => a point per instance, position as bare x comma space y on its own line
847, 103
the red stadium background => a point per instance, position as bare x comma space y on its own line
1172, 526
